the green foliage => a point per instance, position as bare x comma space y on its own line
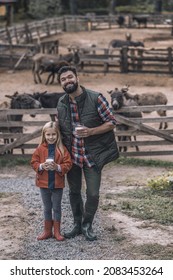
40, 9
46, 8
143, 8
161, 183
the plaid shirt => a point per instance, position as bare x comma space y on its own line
79, 153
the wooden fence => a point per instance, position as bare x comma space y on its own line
128, 59
150, 140
28, 32
99, 60
18, 43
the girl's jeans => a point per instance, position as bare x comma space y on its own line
51, 201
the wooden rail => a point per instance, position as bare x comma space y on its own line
127, 60
150, 140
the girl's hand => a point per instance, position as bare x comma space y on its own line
49, 166
45, 165
52, 166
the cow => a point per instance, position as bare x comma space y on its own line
140, 19
121, 21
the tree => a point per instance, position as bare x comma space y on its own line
44, 8
73, 7
112, 6
158, 6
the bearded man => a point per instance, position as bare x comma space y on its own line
91, 146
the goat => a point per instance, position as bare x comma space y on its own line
18, 101
48, 100
118, 101
157, 98
83, 49
50, 63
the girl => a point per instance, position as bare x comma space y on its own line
51, 161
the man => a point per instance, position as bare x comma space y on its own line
91, 147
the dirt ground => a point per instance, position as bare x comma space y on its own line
22, 81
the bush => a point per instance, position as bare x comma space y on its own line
161, 183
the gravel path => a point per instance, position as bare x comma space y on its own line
74, 249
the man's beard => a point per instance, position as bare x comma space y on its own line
70, 88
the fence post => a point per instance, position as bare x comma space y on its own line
16, 35
140, 62
28, 34
170, 60
38, 32
89, 24
124, 60
47, 28
8, 35
132, 56
64, 24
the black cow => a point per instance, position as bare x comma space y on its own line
121, 21
140, 20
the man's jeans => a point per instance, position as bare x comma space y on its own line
93, 180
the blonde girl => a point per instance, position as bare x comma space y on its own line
51, 161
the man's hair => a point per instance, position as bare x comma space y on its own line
65, 69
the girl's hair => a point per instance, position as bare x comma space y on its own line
56, 128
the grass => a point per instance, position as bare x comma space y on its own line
154, 251
2, 195
9, 162
144, 204
142, 162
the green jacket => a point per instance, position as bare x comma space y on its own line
101, 147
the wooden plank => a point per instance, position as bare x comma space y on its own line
48, 111
21, 124
153, 119
143, 127
20, 141
146, 153
144, 143
148, 108
132, 132
19, 61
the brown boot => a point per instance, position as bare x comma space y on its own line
47, 233
57, 234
